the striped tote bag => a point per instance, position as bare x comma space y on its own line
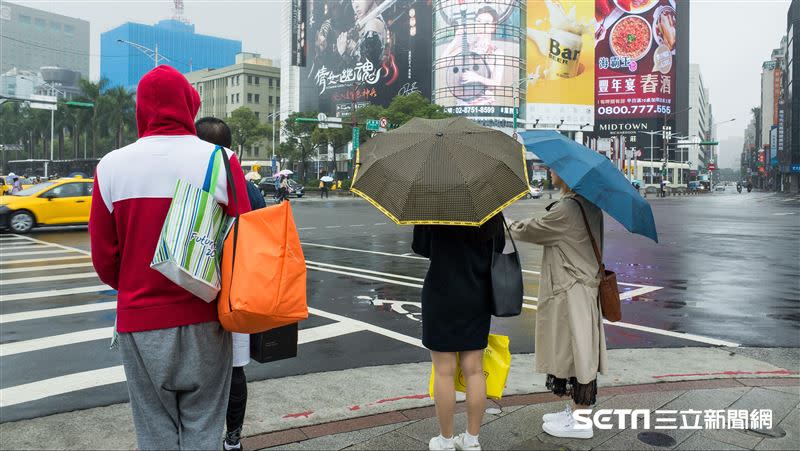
190, 242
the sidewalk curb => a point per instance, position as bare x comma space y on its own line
301, 433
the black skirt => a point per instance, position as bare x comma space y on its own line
456, 295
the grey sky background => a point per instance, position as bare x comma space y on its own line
730, 40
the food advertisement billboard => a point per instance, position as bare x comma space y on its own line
363, 52
477, 56
635, 58
560, 62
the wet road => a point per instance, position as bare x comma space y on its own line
725, 273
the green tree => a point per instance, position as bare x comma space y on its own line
92, 92
118, 113
300, 138
246, 130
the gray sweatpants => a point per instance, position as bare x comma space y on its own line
178, 380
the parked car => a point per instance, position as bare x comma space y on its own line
64, 201
267, 187
535, 193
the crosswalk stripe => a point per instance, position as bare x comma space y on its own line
53, 341
53, 293
19, 254
44, 268
17, 281
53, 312
60, 385
27, 246
42, 260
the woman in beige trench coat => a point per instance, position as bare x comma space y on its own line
570, 342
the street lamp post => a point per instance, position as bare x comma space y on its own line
56, 91
150, 53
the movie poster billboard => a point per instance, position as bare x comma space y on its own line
477, 56
560, 63
635, 59
363, 52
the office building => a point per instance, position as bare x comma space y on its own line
252, 82
33, 39
124, 63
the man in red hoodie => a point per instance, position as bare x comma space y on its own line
177, 357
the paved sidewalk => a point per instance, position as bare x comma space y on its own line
517, 423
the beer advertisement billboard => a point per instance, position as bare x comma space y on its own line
477, 56
635, 58
363, 52
560, 62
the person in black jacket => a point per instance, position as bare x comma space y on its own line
217, 132
456, 316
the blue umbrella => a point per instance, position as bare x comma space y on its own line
594, 177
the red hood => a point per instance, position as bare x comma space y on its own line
166, 104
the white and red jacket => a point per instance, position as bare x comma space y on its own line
133, 188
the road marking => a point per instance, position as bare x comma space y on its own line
42, 260
683, 335
54, 293
83, 275
332, 227
60, 385
68, 248
19, 254
54, 341
380, 223
44, 268
53, 312
326, 246
366, 271
307, 228
637, 292
27, 246
370, 327
357, 225
364, 276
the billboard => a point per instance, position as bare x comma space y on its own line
298, 32
635, 58
365, 52
477, 56
560, 62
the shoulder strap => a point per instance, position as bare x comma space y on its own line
591, 236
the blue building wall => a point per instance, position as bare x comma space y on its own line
124, 65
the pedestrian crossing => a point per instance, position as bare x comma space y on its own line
53, 306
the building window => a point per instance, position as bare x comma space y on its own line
233, 98
238, 80
258, 98
257, 79
25, 19
55, 26
270, 100
249, 98
40, 23
278, 81
270, 82
238, 100
249, 79
258, 115
69, 30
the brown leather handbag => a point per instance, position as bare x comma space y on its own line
608, 291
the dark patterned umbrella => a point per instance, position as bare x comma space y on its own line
441, 171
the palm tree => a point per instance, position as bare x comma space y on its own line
93, 92
118, 108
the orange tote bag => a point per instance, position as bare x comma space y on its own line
263, 272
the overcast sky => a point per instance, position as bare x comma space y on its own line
730, 40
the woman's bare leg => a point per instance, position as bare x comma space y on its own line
472, 368
444, 391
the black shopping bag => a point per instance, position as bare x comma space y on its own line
275, 344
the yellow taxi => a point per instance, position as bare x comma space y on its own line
64, 201
6, 184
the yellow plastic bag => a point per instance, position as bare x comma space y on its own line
496, 364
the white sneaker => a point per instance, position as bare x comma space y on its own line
462, 443
568, 430
558, 417
440, 443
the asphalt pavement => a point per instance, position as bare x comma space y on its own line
725, 274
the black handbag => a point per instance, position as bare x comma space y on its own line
507, 290
275, 344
